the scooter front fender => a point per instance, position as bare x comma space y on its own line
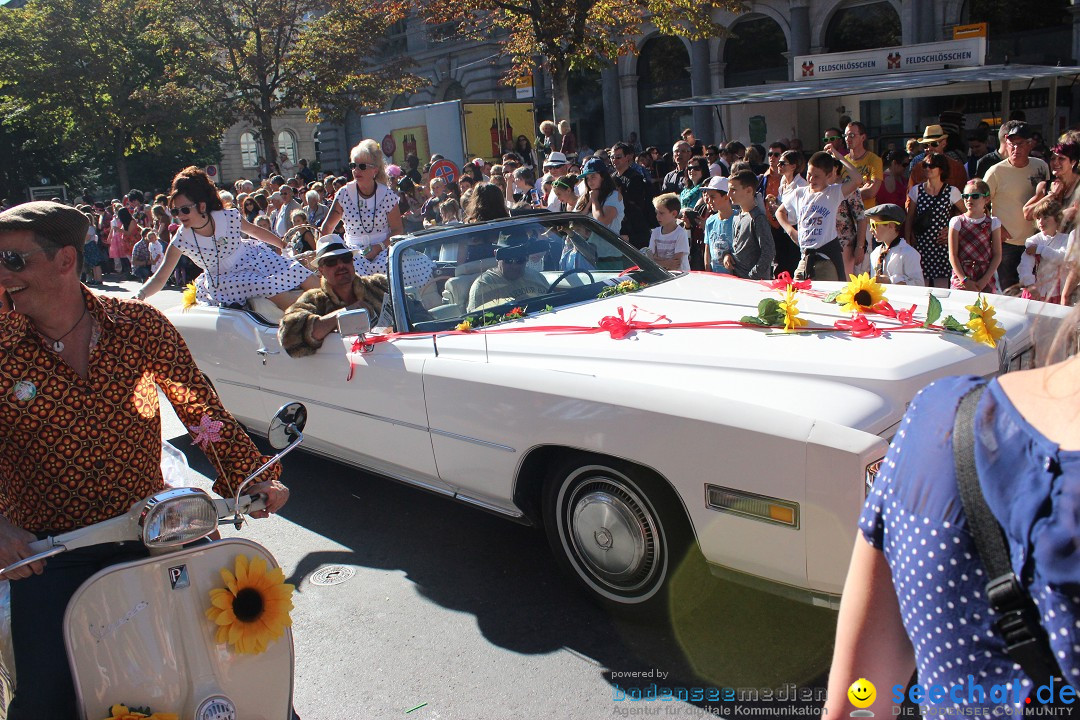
137, 634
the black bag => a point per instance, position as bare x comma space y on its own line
1018, 619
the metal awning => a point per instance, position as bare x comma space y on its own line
896, 83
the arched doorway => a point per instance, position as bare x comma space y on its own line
864, 26
587, 107
663, 74
754, 54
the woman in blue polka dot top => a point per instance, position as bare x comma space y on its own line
915, 592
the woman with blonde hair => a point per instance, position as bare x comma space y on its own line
569, 144
368, 208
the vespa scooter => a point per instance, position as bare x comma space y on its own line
196, 631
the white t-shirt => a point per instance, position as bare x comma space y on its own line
814, 213
785, 187
157, 254
902, 263
667, 245
1052, 253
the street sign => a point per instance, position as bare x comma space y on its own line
446, 170
962, 32
389, 145
212, 171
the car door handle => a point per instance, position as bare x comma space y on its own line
264, 352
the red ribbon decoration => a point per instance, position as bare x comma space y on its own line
859, 327
784, 279
905, 317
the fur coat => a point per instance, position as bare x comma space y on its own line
294, 332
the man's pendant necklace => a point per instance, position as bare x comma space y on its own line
57, 345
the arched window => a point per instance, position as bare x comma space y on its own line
286, 142
663, 74
755, 53
864, 26
249, 150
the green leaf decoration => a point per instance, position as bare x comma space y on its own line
933, 311
831, 297
953, 325
770, 312
752, 320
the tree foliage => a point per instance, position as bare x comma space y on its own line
87, 74
575, 34
274, 55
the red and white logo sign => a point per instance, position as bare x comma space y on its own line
446, 170
389, 145
808, 69
894, 61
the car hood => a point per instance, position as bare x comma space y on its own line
862, 383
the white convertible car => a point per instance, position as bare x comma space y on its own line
632, 444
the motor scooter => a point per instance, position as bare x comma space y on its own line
196, 629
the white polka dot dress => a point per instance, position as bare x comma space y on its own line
915, 517
366, 221
236, 267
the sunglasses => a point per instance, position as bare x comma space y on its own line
15, 261
832, 138
973, 196
929, 166
182, 210
698, 168
359, 166
335, 260
875, 223
775, 154
516, 261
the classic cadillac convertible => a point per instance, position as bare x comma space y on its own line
541, 369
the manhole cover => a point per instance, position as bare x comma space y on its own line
332, 575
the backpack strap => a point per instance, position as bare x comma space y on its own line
1018, 618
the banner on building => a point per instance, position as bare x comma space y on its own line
886, 61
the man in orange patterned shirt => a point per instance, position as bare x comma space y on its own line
81, 437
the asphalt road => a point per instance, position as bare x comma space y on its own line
454, 613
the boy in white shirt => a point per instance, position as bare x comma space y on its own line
1051, 246
893, 261
808, 215
669, 244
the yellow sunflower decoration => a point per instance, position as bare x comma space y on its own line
123, 712
189, 295
861, 294
984, 327
788, 305
252, 610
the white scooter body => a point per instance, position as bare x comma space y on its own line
137, 634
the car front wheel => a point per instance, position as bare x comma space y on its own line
618, 530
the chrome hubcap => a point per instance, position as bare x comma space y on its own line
613, 534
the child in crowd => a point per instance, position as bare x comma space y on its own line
140, 257
752, 244
893, 261
975, 241
669, 244
719, 227
92, 254
449, 212
808, 216
157, 252
1050, 246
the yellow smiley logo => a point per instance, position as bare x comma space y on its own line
862, 693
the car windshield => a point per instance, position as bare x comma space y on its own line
487, 273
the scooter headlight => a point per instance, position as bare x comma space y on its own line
176, 517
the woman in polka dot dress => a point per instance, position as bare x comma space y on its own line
915, 595
235, 268
936, 201
368, 208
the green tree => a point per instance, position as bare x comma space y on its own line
574, 34
275, 55
90, 75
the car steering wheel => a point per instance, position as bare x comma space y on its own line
567, 274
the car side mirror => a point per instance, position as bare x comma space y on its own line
287, 425
354, 322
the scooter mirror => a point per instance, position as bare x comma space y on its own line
286, 424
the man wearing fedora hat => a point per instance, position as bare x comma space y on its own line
313, 316
511, 279
79, 380
934, 139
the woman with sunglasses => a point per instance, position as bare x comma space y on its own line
1064, 185
931, 204
368, 208
251, 209
235, 268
